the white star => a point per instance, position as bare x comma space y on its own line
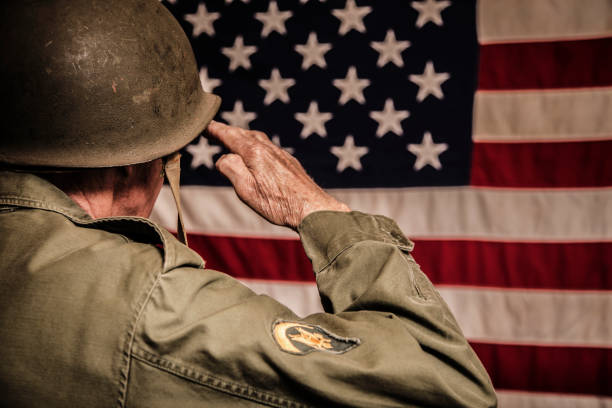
390, 50
202, 153
427, 152
202, 21
389, 119
429, 82
276, 141
348, 154
208, 84
238, 117
273, 19
429, 10
313, 52
351, 86
239, 54
276, 87
351, 17
313, 121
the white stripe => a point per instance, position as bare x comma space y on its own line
494, 315
532, 317
510, 399
559, 115
426, 213
532, 20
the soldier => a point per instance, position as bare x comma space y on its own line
102, 307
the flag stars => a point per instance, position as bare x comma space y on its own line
238, 117
351, 17
273, 20
390, 50
313, 121
202, 153
389, 119
429, 82
276, 87
239, 54
313, 52
202, 21
349, 155
427, 152
429, 11
351, 87
208, 84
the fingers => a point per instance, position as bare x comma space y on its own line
232, 137
232, 166
236, 139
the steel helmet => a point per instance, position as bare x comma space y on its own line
96, 83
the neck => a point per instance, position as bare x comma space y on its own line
117, 191
96, 204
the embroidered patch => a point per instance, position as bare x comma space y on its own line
302, 338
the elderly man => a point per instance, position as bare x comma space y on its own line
102, 307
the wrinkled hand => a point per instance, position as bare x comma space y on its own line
267, 178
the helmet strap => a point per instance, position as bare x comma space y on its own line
172, 169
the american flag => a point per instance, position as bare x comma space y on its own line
483, 128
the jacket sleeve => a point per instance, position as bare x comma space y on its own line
386, 339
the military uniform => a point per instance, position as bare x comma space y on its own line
116, 312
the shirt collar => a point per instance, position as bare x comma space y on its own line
30, 191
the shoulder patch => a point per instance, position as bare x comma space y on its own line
302, 338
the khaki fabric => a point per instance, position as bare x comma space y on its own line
116, 312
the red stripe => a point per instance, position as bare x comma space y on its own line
568, 164
561, 64
254, 258
578, 266
576, 370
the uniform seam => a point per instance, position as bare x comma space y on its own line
409, 263
215, 383
127, 351
333, 259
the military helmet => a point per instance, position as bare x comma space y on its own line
96, 83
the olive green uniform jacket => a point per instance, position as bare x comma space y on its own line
116, 312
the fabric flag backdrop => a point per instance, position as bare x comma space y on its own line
484, 129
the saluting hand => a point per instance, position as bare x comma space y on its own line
268, 179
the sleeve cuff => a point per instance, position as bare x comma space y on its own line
325, 234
